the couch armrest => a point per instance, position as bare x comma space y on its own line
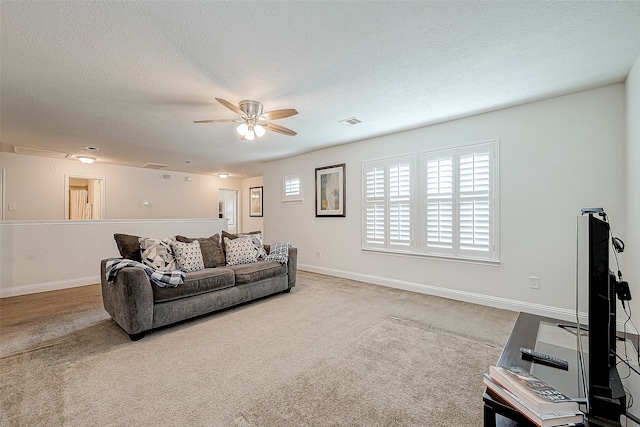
129, 299
292, 266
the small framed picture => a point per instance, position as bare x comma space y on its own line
330, 190
255, 201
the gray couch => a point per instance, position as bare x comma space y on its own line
138, 305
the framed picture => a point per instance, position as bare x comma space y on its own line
255, 201
330, 190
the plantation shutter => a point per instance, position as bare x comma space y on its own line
438, 181
292, 187
375, 203
458, 198
400, 202
475, 218
387, 204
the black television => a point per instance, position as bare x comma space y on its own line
606, 398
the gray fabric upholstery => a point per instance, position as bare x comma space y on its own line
129, 299
195, 283
256, 271
167, 313
137, 305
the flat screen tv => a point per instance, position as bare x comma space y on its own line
605, 394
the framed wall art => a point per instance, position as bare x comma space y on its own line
330, 191
255, 201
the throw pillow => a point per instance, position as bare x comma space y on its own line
235, 236
212, 254
256, 237
240, 250
188, 256
128, 246
157, 253
279, 252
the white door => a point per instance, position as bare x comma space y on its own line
228, 208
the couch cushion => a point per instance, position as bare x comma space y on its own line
212, 253
128, 246
195, 283
249, 273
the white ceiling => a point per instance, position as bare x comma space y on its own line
131, 77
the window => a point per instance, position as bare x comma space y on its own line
388, 208
446, 208
459, 198
292, 190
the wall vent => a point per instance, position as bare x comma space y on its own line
154, 166
41, 153
350, 121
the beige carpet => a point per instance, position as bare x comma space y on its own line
333, 352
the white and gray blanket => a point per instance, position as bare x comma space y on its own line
164, 279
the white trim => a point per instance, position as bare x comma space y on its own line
471, 297
30, 222
48, 286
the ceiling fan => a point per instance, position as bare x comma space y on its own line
253, 121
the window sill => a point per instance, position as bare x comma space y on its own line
450, 258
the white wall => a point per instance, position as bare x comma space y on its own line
251, 223
631, 254
556, 156
36, 186
37, 256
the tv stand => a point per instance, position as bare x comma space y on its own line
525, 333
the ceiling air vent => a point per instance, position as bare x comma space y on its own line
350, 121
41, 153
154, 166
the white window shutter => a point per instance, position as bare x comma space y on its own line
375, 204
400, 202
475, 213
438, 180
387, 190
292, 190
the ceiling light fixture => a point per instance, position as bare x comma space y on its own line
223, 175
86, 160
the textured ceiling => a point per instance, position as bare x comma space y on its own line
131, 77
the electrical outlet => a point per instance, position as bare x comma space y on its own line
12, 206
318, 255
534, 282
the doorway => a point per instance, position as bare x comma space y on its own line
228, 209
84, 197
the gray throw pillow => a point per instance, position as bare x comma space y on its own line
212, 254
129, 246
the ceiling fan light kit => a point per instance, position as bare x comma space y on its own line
253, 123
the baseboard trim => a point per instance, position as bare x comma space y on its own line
488, 300
48, 286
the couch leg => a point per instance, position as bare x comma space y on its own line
286, 291
136, 337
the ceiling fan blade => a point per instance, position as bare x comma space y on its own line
217, 121
280, 129
230, 106
279, 114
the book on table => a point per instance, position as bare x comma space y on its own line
542, 419
538, 394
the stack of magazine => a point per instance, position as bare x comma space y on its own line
535, 399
